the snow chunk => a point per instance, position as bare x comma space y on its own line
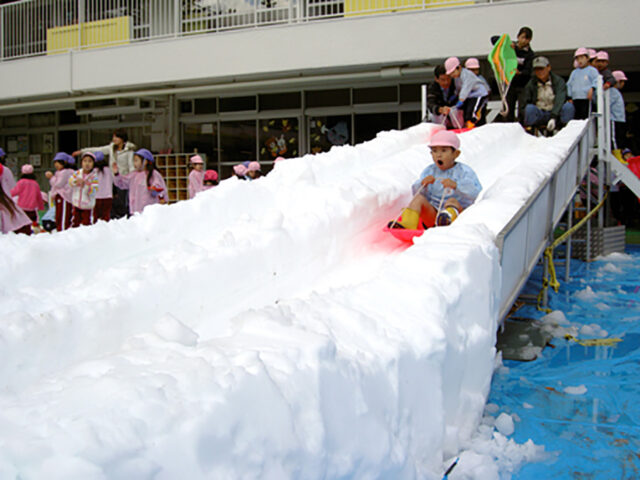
586, 295
504, 424
579, 390
171, 329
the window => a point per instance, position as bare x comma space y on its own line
410, 93
328, 98
324, 132
367, 126
205, 105
278, 138
238, 141
375, 95
409, 119
238, 104
202, 138
280, 101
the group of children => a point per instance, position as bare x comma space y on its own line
82, 196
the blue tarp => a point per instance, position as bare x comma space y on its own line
582, 402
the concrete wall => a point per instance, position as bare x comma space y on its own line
341, 45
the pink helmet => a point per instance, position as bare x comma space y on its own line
26, 169
619, 75
445, 138
602, 55
472, 63
253, 167
581, 51
591, 52
196, 159
240, 170
210, 176
450, 64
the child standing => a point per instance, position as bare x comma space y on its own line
472, 64
60, 189
581, 84
8, 181
196, 177
104, 196
84, 186
29, 195
12, 218
254, 171
145, 184
446, 182
472, 93
601, 63
210, 179
240, 171
618, 116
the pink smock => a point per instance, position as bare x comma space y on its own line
141, 195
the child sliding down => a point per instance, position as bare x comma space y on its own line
445, 184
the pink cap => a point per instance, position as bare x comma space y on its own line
581, 51
240, 170
26, 169
591, 52
445, 138
88, 154
278, 159
196, 159
602, 55
619, 75
472, 63
253, 167
210, 176
450, 64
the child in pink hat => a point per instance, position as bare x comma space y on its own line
12, 218
84, 187
472, 92
254, 170
196, 177
444, 189
582, 83
60, 191
240, 171
601, 63
29, 194
210, 179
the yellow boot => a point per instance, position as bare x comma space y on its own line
410, 220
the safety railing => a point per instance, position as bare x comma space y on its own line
523, 240
49, 27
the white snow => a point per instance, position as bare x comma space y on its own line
578, 390
504, 424
268, 329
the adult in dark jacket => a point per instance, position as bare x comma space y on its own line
441, 98
545, 98
525, 55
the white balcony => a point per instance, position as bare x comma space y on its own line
154, 45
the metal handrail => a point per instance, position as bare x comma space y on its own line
48, 27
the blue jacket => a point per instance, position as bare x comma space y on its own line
580, 81
467, 190
616, 103
469, 85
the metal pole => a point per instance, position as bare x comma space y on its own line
568, 249
2, 30
588, 206
81, 8
602, 140
423, 106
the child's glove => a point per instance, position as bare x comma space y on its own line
155, 191
551, 125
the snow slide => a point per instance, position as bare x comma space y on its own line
264, 329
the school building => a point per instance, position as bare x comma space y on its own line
255, 79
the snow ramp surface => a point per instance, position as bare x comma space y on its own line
264, 329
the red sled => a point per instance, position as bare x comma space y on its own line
404, 234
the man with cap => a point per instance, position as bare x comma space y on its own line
441, 98
617, 109
545, 99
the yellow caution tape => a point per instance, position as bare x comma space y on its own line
594, 342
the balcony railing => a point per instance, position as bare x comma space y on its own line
49, 27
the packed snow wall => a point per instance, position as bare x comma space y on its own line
264, 329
